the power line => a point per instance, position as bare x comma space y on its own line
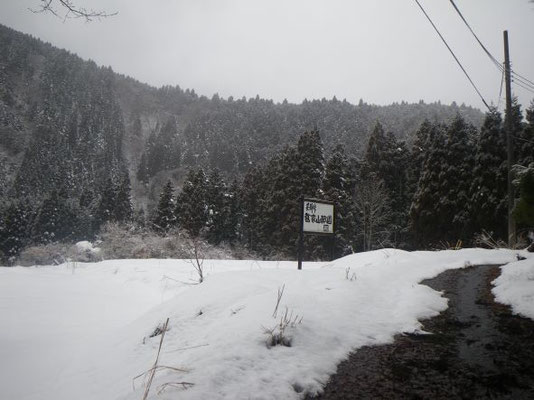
522, 77
454, 55
523, 86
492, 58
523, 81
500, 90
519, 79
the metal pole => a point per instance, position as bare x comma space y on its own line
509, 142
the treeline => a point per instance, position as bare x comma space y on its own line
449, 185
61, 217
65, 122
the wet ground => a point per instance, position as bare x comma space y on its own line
477, 350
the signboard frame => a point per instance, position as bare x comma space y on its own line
303, 214
303, 232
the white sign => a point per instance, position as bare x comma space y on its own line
318, 217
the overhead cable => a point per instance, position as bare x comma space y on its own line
520, 78
454, 55
492, 58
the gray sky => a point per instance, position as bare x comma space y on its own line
379, 50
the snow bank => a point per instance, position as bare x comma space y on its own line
515, 287
83, 330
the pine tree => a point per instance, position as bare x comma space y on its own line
16, 220
252, 195
232, 213
55, 220
142, 170
424, 137
164, 218
338, 186
425, 212
516, 124
192, 207
489, 186
123, 210
297, 172
524, 209
106, 205
310, 162
524, 142
455, 181
215, 198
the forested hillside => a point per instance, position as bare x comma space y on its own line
81, 146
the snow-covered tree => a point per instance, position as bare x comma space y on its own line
164, 217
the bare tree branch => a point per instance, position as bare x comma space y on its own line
373, 205
196, 257
70, 10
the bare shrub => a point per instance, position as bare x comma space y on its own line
485, 239
196, 249
120, 241
47, 254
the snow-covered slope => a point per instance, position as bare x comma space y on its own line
83, 330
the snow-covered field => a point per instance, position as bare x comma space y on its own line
82, 331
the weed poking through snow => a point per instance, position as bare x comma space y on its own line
279, 335
148, 376
349, 276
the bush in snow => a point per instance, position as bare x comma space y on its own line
47, 254
57, 253
120, 241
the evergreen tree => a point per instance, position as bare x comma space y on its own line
215, 198
232, 213
164, 218
422, 143
142, 170
338, 186
123, 210
252, 195
297, 172
192, 206
425, 212
16, 221
106, 206
516, 124
455, 181
524, 209
387, 159
310, 162
489, 186
56, 220
524, 143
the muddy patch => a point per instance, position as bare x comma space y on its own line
477, 349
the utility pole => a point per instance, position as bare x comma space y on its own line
509, 141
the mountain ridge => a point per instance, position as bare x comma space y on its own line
82, 124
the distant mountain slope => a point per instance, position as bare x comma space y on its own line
68, 125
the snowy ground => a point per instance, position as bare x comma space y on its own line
82, 330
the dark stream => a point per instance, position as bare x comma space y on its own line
477, 349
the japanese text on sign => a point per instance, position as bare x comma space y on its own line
318, 217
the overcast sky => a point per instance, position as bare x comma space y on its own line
382, 51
